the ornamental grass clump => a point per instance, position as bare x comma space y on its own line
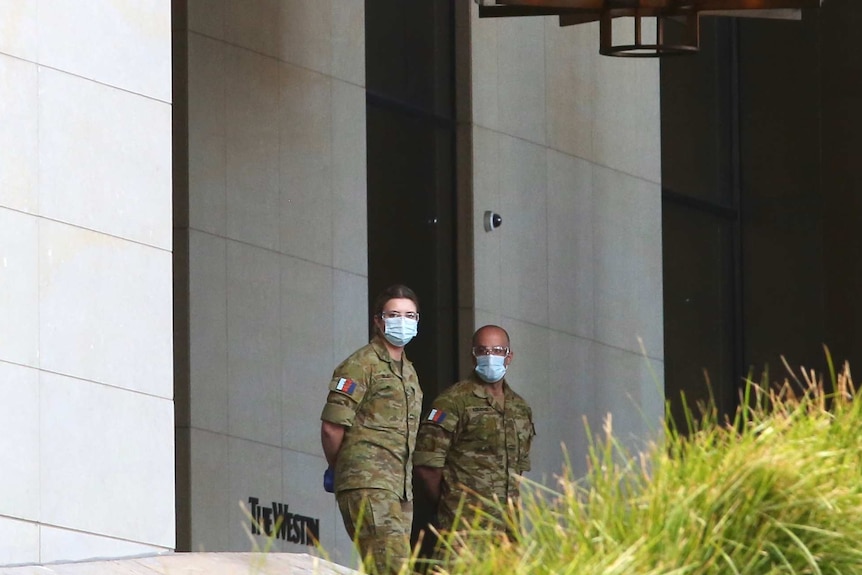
777, 489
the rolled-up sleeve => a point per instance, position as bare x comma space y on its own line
346, 390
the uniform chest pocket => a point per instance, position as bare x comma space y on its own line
385, 387
385, 403
479, 445
481, 431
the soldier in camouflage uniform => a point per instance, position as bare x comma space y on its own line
368, 431
476, 439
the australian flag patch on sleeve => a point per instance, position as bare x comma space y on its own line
437, 416
346, 386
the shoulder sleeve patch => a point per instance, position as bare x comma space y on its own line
347, 387
445, 419
437, 416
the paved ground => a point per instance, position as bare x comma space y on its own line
193, 564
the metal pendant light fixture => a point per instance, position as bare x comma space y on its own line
656, 40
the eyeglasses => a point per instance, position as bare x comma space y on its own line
496, 350
396, 314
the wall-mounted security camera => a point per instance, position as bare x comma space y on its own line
492, 221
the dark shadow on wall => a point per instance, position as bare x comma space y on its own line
762, 193
411, 140
182, 329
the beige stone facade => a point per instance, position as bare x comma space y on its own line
255, 213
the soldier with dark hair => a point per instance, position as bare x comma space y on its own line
476, 439
368, 431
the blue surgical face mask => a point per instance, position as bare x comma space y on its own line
399, 330
491, 368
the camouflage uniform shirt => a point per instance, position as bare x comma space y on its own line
380, 405
479, 444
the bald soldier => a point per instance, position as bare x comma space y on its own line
476, 439
368, 431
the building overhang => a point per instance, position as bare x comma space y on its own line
639, 40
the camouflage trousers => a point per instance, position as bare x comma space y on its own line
383, 537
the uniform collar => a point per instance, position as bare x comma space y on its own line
383, 353
480, 388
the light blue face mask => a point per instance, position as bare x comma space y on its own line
491, 368
399, 330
